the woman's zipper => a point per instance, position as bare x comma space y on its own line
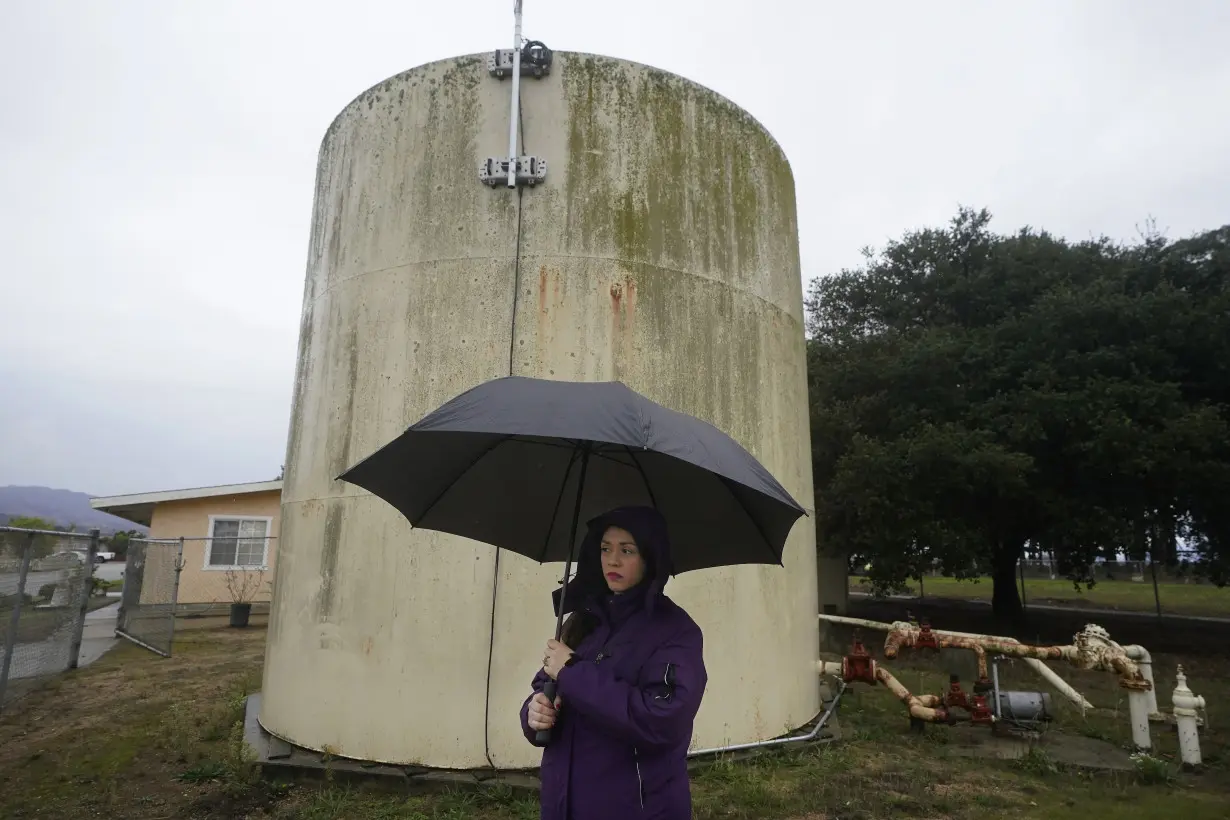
640, 784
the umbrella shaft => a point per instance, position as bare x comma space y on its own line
572, 540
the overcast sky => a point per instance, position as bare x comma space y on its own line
157, 162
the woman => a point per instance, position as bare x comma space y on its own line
628, 693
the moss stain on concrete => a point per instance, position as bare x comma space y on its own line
704, 172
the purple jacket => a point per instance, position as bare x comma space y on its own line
619, 746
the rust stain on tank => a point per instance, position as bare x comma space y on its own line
548, 299
542, 291
623, 318
630, 309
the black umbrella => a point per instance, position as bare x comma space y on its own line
511, 460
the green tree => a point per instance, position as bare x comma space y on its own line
974, 395
118, 542
14, 543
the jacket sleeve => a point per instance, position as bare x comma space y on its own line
540, 680
646, 716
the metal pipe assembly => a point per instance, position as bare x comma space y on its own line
1091, 649
1065, 688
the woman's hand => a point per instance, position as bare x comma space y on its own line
541, 712
556, 656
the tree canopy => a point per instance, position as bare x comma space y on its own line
975, 394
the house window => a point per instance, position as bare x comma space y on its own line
237, 543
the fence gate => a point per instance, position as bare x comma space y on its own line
151, 589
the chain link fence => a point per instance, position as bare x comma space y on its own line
165, 579
46, 581
1164, 590
151, 588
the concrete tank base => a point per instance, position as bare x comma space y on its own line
661, 250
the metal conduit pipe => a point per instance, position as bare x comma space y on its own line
1037, 665
813, 735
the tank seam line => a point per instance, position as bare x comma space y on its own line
626, 262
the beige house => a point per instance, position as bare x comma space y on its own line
229, 537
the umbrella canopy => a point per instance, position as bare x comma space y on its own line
515, 461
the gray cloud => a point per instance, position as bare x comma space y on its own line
158, 162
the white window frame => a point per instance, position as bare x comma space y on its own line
209, 543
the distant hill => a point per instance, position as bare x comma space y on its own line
63, 507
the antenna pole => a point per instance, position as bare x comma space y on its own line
516, 98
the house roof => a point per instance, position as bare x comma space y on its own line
139, 507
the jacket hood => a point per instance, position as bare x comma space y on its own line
648, 528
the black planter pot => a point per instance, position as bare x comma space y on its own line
240, 613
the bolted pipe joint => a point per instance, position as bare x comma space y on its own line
1186, 703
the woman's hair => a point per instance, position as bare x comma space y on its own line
577, 627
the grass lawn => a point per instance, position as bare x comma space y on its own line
142, 737
40, 624
1128, 596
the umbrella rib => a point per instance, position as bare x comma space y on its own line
462, 474
546, 542
637, 463
777, 559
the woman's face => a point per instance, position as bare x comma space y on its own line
622, 564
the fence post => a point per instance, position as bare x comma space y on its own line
179, 567
1021, 571
74, 649
10, 638
1157, 599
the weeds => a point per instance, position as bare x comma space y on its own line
1151, 771
1037, 762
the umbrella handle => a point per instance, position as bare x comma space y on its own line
550, 688
543, 737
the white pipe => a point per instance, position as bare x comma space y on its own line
829, 668
1145, 661
1065, 689
879, 626
1186, 703
1138, 712
516, 98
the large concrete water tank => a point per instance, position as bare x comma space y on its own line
661, 250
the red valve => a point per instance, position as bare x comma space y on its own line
858, 665
956, 695
981, 714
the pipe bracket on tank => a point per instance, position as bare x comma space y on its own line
531, 170
535, 62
